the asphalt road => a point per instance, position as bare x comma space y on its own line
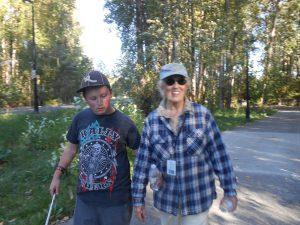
266, 159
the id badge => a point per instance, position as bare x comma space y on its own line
171, 167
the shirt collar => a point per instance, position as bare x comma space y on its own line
162, 111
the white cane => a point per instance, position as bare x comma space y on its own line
50, 209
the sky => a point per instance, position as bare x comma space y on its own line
100, 41
256, 57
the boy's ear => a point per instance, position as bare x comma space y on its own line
111, 92
83, 96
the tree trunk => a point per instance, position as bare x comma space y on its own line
197, 78
192, 48
231, 56
290, 65
221, 83
166, 49
139, 31
202, 91
146, 40
269, 51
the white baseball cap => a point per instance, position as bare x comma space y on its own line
172, 69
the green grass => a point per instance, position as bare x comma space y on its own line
11, 126
230, 118
27, 159
27, 171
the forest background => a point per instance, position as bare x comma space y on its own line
215, 39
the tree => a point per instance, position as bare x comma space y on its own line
209, 38
60, 62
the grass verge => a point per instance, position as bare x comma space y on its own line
230, 118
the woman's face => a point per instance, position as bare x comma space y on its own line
175, 88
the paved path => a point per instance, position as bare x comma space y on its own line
266, 158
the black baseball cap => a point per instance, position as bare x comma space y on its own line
92, 79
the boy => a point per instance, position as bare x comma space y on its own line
101, 134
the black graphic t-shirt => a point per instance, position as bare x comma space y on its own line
104, 170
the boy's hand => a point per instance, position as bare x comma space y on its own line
54, 186
65, 160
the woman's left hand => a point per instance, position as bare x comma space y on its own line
233, 200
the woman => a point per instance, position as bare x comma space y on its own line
182, 139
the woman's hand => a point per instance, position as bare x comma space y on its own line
232, 199
140, 213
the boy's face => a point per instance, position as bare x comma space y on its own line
98, 100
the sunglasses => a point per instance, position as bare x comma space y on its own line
171, 80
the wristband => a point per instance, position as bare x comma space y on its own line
61, 168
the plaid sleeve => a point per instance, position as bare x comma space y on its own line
219, 157
141, 168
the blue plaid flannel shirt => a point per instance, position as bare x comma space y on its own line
199, 153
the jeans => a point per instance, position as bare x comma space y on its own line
86, 214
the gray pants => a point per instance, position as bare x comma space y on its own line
197, 219
86, 214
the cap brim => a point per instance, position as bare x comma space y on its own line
171, 74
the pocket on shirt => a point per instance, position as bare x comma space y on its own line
195, 142
162, 149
